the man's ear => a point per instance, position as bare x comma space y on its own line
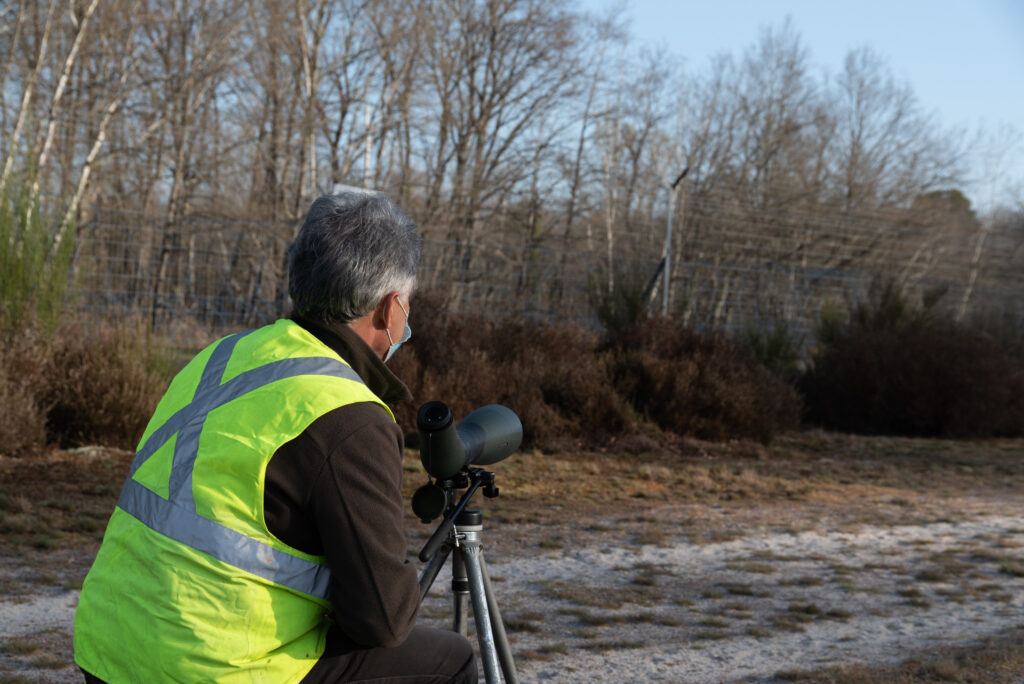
385, 310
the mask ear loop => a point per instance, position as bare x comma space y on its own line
388, 332
406, 335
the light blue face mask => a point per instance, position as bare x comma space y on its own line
405, 335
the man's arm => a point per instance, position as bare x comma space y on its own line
347, 505
357, 503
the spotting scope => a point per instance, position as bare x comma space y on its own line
487, 435
450, 453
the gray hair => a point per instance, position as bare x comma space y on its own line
353, 248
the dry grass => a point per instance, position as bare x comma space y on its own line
853, 478
54, 507
996, 660
37, 657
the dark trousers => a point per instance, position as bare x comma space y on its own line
428, 656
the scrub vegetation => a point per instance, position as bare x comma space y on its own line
86, 382
892, 366
896, 366
65, 379
576, 389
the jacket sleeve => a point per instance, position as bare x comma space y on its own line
356, 503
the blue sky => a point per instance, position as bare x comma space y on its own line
963, 58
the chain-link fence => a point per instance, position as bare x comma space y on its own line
732, 265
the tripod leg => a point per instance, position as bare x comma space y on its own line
508, 666
460, 592
481, 614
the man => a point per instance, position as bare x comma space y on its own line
259, 534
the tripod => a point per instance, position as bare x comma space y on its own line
460, 536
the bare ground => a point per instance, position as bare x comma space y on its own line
821, 558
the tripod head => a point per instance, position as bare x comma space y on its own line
436, 498
432, 499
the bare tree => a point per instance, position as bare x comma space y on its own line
313, 23
41, 151
608, 32
12, 22
775, 99
116, 63
269, 79
193, 54
492, 67
633, 143
886, 150
395, 26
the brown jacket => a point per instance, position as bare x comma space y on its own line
336, 490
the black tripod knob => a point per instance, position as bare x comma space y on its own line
469, 518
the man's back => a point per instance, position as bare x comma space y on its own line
188, 562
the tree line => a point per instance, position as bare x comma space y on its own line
525, 121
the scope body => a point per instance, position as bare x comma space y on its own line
487, 435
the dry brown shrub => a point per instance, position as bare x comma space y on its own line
573, 391
703, 385
444, 360
24, 363
550, 374
105, 379
899, 366
928, 380
561, 384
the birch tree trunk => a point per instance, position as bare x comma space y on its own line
26, 99
58, 93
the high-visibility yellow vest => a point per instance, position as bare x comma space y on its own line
189, 584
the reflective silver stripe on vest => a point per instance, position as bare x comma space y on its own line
186, 446
223, 543
176, 516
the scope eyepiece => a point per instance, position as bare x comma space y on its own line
434, 415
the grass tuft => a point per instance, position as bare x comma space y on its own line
20, 646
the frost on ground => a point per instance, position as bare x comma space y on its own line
41, 613
603, 608
749, 608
